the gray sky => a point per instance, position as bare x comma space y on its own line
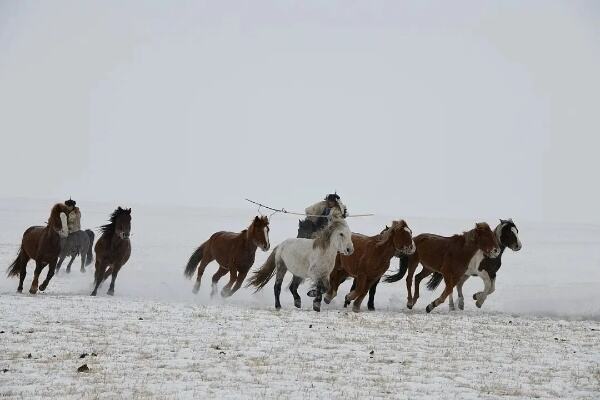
465, 109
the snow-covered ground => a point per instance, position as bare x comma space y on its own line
537, 336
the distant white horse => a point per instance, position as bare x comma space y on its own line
306, 258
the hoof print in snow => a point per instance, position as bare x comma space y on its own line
5, 370
222, 352
310, 326
215, 347
372, 352
140, 319
94, 355
29, 355
83, 368
3, 331
83, 355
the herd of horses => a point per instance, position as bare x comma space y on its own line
326, 258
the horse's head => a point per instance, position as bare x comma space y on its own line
486, 240
342, 237
401, 236
259, 232
306, 228
121, 220
507, 234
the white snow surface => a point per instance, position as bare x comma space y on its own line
537, 336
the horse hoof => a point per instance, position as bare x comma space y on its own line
346, 304
20, 290
225, 293
409, 306
478, 304
93, 293
327, 300
475, 296
298, 303
316, 308
278, 306
196, 289
356, 309
82, 271
33, 291
68, 271
312, 293
371, 308
110, 293
42, 287
429, 308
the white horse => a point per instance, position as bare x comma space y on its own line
306, 258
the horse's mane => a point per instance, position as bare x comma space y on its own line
323, 238
110, 227
384, 236
471, 236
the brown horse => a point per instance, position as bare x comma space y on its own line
370, 260
113, 248
234, 252
449, 256
42, 244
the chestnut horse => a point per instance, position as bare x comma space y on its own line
113, 248
234, 252
507, 234
370, 260
450, 256
42, 244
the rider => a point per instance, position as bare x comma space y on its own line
331, 206
73, 216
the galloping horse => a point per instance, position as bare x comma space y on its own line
450, 256
507, 235
80, 243
235, 253
42, 244
306, 258
370, 260
113, 248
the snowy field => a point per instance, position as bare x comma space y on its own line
537, 336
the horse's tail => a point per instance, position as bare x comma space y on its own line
194, 260
89, 254
15, 268
434, 281
402, 268
261, 277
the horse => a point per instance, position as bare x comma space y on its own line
113, 248
305, 258
234, 252
370, 260
507, 235
450, 256
42, 244
77, 243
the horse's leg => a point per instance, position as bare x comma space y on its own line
372, 291
425, 272
294, 289
24, 259
318, 298
363, 293
99, 275
115, 272
221, 272
459, 288
69, 264
36, 275
280, 274
206, 259
450, 281
60, 261
49, 275
335, 280
226, 291
413, 262
353, 287
238, 283
488, 288
83, 258
361, 285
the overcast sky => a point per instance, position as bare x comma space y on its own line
442, 109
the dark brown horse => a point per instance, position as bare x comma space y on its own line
234, 252
370, 260
113, 248
42, 244
450, 256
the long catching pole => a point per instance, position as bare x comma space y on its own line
284, 211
